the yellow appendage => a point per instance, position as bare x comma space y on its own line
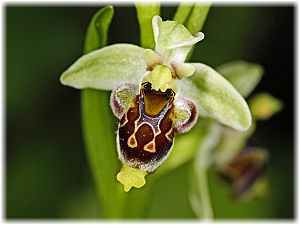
131, 177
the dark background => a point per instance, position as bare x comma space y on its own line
47, 175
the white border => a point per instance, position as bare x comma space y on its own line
99, 2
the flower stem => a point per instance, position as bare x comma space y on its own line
199, 188
204, 194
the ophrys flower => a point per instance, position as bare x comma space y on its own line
156, 94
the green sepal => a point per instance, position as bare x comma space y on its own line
244, 76
173, 41
106, 68
216, 98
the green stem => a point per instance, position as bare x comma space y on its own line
207, 212
199, 188
201, 165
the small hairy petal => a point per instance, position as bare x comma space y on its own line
121, 98
185, 115
183, 69
151, 58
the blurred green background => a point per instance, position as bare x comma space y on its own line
47, 175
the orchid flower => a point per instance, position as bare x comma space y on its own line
156, 94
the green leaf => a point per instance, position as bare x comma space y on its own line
96, 34
197, 17
244, 76
106, 68
97, 127
145, 13
264, 105
193, 17
183, 12
216, 98
101, 149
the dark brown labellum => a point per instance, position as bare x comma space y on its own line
145, 134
